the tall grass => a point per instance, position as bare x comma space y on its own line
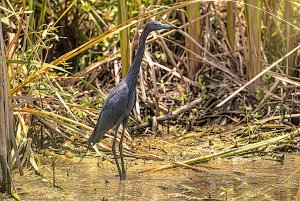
124, 37
194, 30
230, 24
5, 179
253, 58
291, 38
272, 35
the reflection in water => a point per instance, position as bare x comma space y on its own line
122, 190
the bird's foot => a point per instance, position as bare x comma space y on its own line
123, 176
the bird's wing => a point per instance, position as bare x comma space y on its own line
112, 112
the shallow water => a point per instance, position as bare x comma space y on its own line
236, 178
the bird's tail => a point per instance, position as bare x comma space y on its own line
96, 135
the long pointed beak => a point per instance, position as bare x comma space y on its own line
167, 26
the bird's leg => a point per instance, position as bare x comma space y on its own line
121, 154
114, 150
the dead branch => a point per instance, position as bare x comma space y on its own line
171, 115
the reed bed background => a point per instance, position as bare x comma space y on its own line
59, 59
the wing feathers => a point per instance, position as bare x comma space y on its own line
112, 112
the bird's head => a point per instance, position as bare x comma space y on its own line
156, 25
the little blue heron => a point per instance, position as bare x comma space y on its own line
118, 105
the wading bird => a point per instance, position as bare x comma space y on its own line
118, 105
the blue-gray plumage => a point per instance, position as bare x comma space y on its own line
118, 105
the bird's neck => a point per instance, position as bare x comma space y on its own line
135, 66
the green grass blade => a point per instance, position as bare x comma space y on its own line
43, 12
37, 63
124, 37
